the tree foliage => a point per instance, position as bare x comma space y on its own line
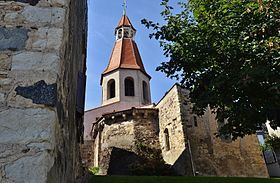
273, 142
227, 53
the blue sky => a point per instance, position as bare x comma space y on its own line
104, 16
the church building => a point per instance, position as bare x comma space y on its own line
127, 117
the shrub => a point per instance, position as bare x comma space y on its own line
93, 170
273, 141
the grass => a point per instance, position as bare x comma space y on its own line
152, 179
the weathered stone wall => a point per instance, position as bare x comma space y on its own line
92, 115
170, 119
42, 49
241, 157
218, 155
122, 130
203, 153
87, 153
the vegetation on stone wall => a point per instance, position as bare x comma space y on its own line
227, 54
273, 142
93, 170
151, 162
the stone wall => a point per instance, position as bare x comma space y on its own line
92, 115
121, 131
87, 153
42, 50
170, 120
203, 153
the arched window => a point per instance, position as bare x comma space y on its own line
129, 86
120, 33
166, 140
126, 33
132, 33
111, 87
145, 91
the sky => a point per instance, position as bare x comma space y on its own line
103, 17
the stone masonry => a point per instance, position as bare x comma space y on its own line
116, 134
194, 147
188, 142
170, 120
42, 66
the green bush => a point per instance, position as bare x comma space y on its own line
93, 170
273, 141
266, 147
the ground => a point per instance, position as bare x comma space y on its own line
152, 179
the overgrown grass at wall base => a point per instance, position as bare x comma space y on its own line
153, 179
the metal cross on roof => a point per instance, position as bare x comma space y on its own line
124, 7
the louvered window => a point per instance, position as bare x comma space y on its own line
129, 87
111, 89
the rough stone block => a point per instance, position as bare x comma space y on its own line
5, 81
35, 61
2, 97
53, 3
27, 125
39, 16
31, 2
58, 15
45, 38
59, 2
3, 74
10, 17
38, 39
39, 93
12, 152
12, 38
10, 6
54, 38
23, 169
27, 78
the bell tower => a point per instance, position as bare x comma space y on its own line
125, 79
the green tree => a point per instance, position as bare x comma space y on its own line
273, 142
226, 52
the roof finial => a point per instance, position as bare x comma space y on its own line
124, 7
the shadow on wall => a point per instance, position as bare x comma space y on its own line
148, 162
120, 162
183, 166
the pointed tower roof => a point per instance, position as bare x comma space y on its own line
125, 54
125, 22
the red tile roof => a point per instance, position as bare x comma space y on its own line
125, 55
125, 22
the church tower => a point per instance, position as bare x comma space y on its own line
125, 79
